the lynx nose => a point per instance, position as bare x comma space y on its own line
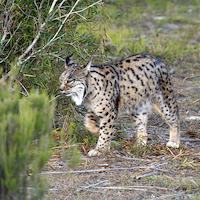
63, 92
62, 89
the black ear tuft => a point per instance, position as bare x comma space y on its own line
68, 60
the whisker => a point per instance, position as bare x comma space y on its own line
54, 98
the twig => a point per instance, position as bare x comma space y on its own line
190, 88
61, 147
193, 118
190, 140
27, 93
107, 169
144, 188
53, 39
178, 154
31, 45
146, 175
190, 78
39, 33
54, 98
76, 12
61, 3
89, 186
122, 188
52, 5
12, 36
63, 22
171, 152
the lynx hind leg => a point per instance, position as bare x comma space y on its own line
140, 123
91, 121
167, 106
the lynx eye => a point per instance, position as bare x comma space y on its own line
70, 81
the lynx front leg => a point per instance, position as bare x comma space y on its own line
140, 123
106, 130
91, 121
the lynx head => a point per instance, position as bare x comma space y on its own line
73, 81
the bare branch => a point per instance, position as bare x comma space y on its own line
38, 36
152, 166
27, 93
89, 186
59, 29
52, 5
76, 12
12, 35
31, 45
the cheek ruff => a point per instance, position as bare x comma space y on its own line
77, 94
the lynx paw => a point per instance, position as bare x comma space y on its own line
172, 144
94, 152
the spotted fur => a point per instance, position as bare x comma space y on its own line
130, 85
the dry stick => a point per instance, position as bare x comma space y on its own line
190, 140
27, 93
146, 175
76, 12
144, 188
122, 188
54, 98
171, 152
9, 41
33, 53
107, 169
52, 5
196, 101
31, 45
63, 22
190, 78
178, 154
11, 35
89, 186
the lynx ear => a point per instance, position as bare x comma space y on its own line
84, 69
69, 61
88, 66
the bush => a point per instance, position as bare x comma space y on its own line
25, 126
41, 33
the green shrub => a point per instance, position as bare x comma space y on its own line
25, 127
40, 34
